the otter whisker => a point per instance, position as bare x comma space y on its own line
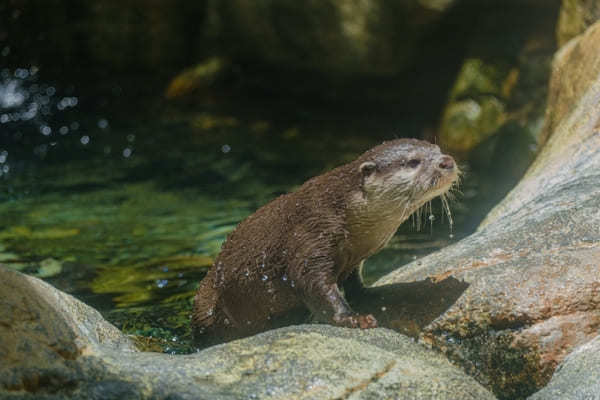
446, 210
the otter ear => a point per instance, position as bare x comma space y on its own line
367, 168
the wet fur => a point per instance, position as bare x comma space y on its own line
296, 251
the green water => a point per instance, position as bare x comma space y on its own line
127, 212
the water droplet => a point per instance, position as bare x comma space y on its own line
210, 312
63, 130
103, 123
174, 339
127, 152
85, 139
161, 283
130, 137
226, 148
431, 217
383, 308
247, 272
45, 130
284, 278
74, 125
451, 236
292, 284
264, 278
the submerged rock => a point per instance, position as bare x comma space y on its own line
532, 267
577, 377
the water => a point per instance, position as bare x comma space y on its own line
127, 211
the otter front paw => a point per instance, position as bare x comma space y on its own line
356, 321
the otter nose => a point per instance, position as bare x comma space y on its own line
447, 163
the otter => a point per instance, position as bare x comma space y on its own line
298, 250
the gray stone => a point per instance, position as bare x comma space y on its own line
532, 267
577, 377
54, 346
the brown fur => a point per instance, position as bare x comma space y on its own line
297, 250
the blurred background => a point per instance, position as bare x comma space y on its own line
135, 134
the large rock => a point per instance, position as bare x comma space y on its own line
574, 71
577, 377
533, 266
331, 37
575, 17
54, 346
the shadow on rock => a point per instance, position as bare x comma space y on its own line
409, 307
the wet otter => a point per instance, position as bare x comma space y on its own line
298, 250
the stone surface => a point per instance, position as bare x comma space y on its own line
575, 69
577, 377
477, 106
54, 346
533, 266
575, 17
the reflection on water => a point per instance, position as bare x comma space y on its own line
127, 214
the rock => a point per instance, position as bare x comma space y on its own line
54, 346
574, 71
45, 333
576, 377
337, 38
326, 362
501, 89
532, 267
202, 76
575, 17
477, 105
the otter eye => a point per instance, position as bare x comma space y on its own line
367, 168
414, 163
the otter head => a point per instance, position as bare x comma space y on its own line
405, 173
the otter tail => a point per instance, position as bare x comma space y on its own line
205, 312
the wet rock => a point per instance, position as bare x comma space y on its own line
577, 376
477, 106
202, 76
54, 346
532, 267
575, 17
325, 362
45, 333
